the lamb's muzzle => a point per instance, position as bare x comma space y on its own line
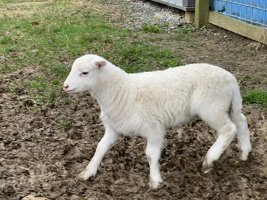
148, 103
65, 87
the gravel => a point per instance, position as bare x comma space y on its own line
148, 12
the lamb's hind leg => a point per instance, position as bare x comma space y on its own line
153, 150
226, 130
242, 133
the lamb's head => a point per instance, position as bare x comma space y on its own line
84, 73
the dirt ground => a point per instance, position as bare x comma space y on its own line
39, 157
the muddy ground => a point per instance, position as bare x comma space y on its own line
39, 156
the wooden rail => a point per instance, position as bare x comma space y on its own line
203, 16
242, 28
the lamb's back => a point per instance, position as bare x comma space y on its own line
182, 79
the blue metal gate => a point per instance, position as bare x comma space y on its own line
250, 11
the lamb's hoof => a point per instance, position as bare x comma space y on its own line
154, 184
244, 155
85, 175
82, 176
206, 168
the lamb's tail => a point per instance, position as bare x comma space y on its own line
241, 123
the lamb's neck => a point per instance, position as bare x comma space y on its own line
111, 90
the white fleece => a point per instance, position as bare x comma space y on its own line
148, 103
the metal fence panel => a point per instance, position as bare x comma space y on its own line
250, 11
186, 5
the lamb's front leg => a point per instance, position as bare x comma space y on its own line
103, 146
153, 151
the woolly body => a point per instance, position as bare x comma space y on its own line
163, 99
148, 103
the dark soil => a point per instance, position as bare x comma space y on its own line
41, 155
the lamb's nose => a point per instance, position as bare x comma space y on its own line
65, 87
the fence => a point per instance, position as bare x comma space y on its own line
250, 11
186, 5
245, 17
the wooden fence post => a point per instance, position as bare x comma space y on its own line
201, 13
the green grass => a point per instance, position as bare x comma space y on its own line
187, 28
256, 97
42, 91
247, 78
152, 28
52, 38
64, 122
137, 57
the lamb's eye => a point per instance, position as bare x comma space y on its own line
85, 73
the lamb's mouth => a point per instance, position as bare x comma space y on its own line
70, 91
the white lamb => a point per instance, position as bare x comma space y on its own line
148, 103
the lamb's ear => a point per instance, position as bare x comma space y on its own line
100, 64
